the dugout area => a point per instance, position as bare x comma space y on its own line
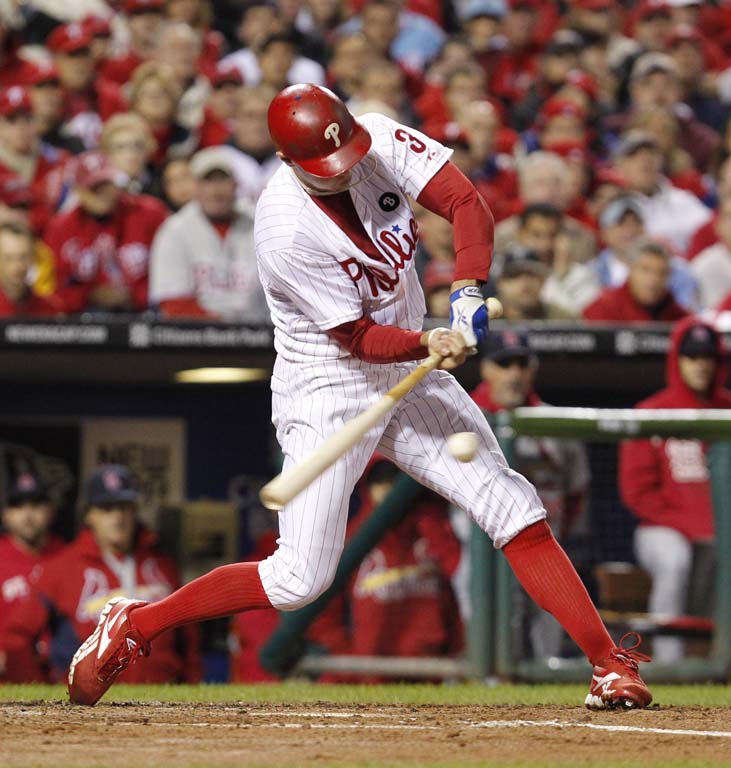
361, 727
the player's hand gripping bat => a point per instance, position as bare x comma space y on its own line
290, 483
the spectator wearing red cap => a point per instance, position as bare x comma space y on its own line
113, 555
100, 30
226, 84
154, 95
143, 19
23, 155
494, 176
670, 213
560, 57
25, 546
49, 107
560, 122
693, 57
17, 298
581, 89
101, 246
645, 295
253, 154
198, 15
650, 24
70, 45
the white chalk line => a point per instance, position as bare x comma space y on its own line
593, 726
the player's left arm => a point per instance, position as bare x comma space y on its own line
450, 194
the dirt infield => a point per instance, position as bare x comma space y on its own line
156, 734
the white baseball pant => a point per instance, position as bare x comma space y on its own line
413, 435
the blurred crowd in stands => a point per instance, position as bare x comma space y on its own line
134, 145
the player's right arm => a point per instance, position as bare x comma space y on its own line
376, 343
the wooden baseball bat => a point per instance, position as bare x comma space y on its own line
285, 486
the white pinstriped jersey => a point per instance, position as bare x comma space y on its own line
315, 277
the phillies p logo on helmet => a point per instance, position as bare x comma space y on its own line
333, 132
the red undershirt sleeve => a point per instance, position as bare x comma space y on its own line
451, 195
375, 343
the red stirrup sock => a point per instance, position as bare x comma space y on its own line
222, 592
548, 576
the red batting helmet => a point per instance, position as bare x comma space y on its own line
313, 128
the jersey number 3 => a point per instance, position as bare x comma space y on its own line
415, 145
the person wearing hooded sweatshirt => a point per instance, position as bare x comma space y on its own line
666, 484
113, 555
559, 469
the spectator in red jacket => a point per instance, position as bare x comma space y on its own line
27, 544
114, 555
101, 246
645, 295
666, 484
17, 254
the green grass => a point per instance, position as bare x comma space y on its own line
467, 694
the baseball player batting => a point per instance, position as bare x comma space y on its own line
335, 240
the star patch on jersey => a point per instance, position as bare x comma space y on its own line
389, 201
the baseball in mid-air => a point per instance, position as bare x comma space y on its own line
494, 308
462, 445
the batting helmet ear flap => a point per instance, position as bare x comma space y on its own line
312, 127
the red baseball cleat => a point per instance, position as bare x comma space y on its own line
616, 681
107, 652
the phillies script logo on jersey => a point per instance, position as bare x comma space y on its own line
397, 250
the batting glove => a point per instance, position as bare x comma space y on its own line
468, 314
